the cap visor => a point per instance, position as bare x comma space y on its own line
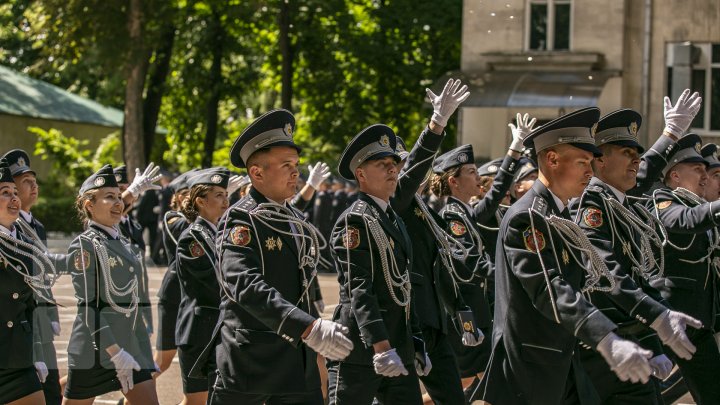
627, 142
588, 147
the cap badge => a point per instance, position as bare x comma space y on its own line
697, 147
492, 168
462, 158
593, 130
633, 128
21, 161
288, 129
118, 178
99, 182
384, 140
216, 179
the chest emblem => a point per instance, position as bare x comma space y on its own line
351, 239
593, 217
457, 228
534, 241
240, 235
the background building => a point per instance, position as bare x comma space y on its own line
550, 57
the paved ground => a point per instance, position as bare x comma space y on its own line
168, 385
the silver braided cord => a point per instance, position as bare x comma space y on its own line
112, 290
646, 264
575, 239
468, 225
449, 247
41, 277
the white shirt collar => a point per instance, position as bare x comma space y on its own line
111, 231
212, 226
618, 194
382, 204
560, 204
6, 231
26, 216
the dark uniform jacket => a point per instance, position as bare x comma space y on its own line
21, 346
173, 225
689, 285
367, 306
629, 306
101, 321
539, 311
323, 212
200, 302
264, 306
653, 162
133, 232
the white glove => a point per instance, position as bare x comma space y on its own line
388, 364
519, 132
628, 360
678, 117
422, 364
124, 366
41, 370
469, 339
235, 183
55, 328
661, 366
318, 174
447, 102
329, 340
320, 306
144, 181
670, 327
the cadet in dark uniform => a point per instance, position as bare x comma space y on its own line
625, 237
108, 347
456, 177
373, 257
46, 320
540, 313
196, 262
524, 179
21, 362
433, 288
267, 344
132, 230
322, 210
690, 285
174, 223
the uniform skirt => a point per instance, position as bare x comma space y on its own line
168, 311
16, 383
99, 380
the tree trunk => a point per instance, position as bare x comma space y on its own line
156, 87
286, 53
217, 36
136, 69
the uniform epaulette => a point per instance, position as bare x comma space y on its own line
358, 208
540, 206
196, 227
594, 189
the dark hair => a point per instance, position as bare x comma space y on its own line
439, 184
83, 213
189, 209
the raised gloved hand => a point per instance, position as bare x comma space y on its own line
124, 365
329, 339
318, 174
41, 370
661, 366
678, 117
423, 365
628, 360
145, 181
447, 102
469, 339
320, 306
522, 130
389, 364
55, 326
670, 327
236, 182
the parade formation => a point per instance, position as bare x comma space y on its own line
579, 268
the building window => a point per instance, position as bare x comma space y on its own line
548, 25
704, 77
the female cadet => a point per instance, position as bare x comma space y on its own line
22, 269
456, 177
174, 223
107, 348
195, 265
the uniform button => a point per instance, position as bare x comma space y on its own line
15, 296
131, 270
10, 324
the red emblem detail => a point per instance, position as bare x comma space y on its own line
351, 239
593, 217
529, 237
195, 249
457, 228
82, 262
240, 235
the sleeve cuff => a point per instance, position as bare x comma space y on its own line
373, 332
594, 328
294, 324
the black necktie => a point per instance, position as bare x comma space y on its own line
565, 213
392, 217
